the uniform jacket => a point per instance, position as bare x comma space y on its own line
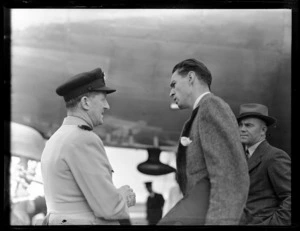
77, 176
212, 169
269, 199
155, 208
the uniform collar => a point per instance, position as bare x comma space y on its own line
152, 194
75, 120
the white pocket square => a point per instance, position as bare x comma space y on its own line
185, 141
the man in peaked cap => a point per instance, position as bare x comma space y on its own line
269, 199
155, 204
76, 172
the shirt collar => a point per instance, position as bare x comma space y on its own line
252, 148
199, 98
152, 194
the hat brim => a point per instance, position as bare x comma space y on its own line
267, 119
107, 90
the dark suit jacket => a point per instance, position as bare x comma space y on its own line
269, 199
215, 156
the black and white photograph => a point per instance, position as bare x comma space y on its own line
149, 117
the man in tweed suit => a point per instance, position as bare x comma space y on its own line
211, 166
269, 200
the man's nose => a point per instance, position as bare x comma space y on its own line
242, 128
171, 93
106, 106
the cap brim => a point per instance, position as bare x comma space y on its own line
107, 90
267, 119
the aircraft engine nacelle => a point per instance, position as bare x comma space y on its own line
153, 166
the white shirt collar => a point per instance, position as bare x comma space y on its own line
253, 148
152, 194
199, 98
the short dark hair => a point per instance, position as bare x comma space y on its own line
74, 101
198, 67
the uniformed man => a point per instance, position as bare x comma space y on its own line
155, 204
76, 172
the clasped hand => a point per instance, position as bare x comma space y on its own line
128, 195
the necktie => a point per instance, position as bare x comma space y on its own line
247, 153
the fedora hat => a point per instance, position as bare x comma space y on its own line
82, 83
256, 110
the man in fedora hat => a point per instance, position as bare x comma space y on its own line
211, 167
76, 172
154, 205
269, 199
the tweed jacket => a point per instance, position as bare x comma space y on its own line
77, 177
215, 155
269, 199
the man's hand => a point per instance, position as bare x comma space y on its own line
128, 195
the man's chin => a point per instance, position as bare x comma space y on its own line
181, 107
100, 122
244, 142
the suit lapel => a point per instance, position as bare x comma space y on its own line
188, 123
255, 159
181, 153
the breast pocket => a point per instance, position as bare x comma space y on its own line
195, 161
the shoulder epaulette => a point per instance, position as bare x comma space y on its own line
85, 127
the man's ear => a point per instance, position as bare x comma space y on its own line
85, 103
192, 77
264, 129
